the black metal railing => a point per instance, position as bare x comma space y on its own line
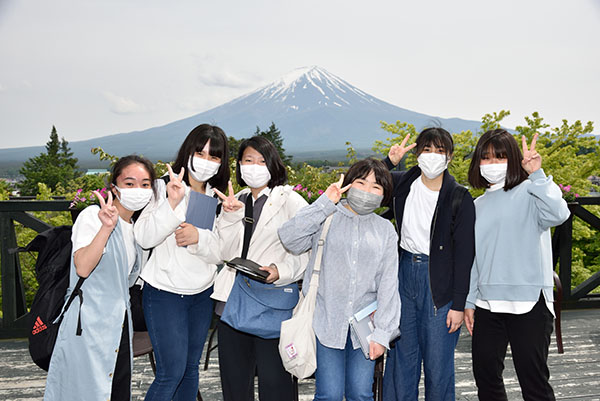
562, 249
15, 318
14, 307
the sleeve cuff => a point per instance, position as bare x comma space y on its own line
172, 217
381, 337
458, 303
537, 175
388, 163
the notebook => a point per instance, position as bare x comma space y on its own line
201, 210
362, 327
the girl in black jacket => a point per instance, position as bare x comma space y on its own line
435, 220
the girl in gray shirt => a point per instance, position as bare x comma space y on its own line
359, 266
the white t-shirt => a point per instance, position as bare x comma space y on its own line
418, 214
87, 226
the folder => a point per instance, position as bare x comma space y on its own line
201, 210
362, 327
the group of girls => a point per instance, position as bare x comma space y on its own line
449, 260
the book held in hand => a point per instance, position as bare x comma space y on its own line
249, 268
362, 327
201, 210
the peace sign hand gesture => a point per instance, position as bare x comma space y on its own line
532, 161
397, 152
334, 191
175, 187
230, 202
108, 214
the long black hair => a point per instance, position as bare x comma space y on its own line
195, 142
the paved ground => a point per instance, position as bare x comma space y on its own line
575, 374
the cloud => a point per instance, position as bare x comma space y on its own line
123, 105
224, 79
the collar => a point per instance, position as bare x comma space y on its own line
495, 187
266, 192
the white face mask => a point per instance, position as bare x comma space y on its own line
493, 173
203, 169
255, 175
134, 199
432, 164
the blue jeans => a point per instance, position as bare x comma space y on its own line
343, 372
177, 325
424, 338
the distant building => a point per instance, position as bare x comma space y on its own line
96, 171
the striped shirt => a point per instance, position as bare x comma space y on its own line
359, 266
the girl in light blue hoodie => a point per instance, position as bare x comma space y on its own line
510, 296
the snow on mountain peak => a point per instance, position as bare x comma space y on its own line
332, 91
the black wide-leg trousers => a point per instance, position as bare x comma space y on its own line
241, 356
529, 338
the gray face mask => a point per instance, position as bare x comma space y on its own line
363, 202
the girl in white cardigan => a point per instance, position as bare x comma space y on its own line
181, 269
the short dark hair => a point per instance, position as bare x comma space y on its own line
504, 146
195, 142
437, 137
362, 168
272, 160
125, 161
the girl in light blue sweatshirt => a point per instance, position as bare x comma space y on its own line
510, 296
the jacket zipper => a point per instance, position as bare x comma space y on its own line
429, 258
396, 218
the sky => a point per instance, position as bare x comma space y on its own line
99, 67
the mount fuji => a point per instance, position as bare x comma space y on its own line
315, 111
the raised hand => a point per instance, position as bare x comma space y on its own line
186, 234
230, 202
532, 161
397, 152
334, 191
108, 214
175, 187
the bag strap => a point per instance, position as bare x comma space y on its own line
248, 223
320, 246
77, 292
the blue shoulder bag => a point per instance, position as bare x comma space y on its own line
254, 307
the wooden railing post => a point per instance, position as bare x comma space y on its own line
565, 256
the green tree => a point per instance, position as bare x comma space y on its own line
274, 135
5, 190
234, 146
55, 166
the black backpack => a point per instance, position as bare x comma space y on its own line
52, 271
